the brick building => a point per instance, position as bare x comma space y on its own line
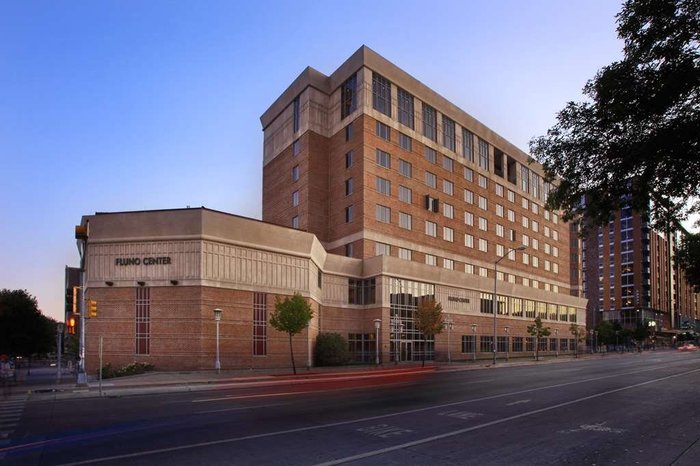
377, 192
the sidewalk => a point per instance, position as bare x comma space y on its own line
42, 381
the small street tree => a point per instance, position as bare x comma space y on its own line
428, 320
291, 315
24, 330
538, 331
579, 336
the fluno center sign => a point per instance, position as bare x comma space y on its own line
142, 261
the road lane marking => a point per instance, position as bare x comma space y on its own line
384, 431
454, 433
378, 417
519, 402
240, 408
464, 415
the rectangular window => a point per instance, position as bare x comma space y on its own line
383, 214
383, 131
348, 96
517, 344
483, 245
405, 194
348, 132
361, 291
296, 147
349, 250
348, 214
405, 108
383, 159
430, 179
499, 210
483, 224
432, 204
259, 324
499, 190
296, 111
405, 220
530, 344
405, 142
430, 259
429, 122
448, 234
486, 344
383, 186
448, 264
468, 241
483, 182
524, 178
405, 254
381, 94
348, 186
468, 174
511, 216
430, 155
483, 203
295, 173
295, 198
499, 232
447, 163
448, 133
469, 218
143, 320
511, 196
524, 203
448, 210
468, 197
448, 187
405, 168
468, 145
348, 159
468, 268
483, 154
382, 249
430, 228
468, 344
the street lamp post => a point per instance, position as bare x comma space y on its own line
217, 318
377, 325
495, 284
652, 325
474, 342
507, 330
59, 345
590, 332
556, 338
448, 325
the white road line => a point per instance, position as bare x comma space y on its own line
384, 416
240, 408
492, 423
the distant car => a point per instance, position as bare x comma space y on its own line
688, 347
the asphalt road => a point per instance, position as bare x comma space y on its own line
631, 409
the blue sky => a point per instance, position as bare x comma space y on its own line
131, 105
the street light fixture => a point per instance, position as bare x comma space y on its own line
377, 325
495, 284
448, 324
556, 338
217, 318
59, 345
474, 342
652, 325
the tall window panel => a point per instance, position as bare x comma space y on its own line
348, 96
259, 324
405, 108
429, 122
297, 113
483, 154
448, 133
143, 320
468, 144
381, 94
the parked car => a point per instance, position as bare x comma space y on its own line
688, 347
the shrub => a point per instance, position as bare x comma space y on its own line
331, 350
109, 371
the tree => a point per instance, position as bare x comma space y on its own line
688, 258
579, 335
291, 315
538, 331
24, 330
636, 138
606, 333
428, 320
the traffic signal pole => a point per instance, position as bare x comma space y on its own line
81, 237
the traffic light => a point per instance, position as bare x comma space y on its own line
70, 324
92, 308
69, 300
76, 302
